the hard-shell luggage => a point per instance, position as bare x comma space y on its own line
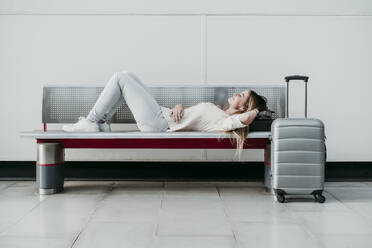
298, 154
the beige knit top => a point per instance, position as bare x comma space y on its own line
204, 116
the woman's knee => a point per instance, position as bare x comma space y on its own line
126, 76
121, 74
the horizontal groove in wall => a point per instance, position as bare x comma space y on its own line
112, 13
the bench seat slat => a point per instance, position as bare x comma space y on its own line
58, 134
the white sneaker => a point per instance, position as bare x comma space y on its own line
83, 125
104, 127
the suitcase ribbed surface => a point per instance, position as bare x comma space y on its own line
297, 155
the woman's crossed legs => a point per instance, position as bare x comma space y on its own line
125, 86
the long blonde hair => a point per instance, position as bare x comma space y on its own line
240, 134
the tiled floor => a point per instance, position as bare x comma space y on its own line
182, 214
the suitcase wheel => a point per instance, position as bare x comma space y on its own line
280, 195
319, 197
280, 198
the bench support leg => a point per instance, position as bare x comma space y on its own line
50, 168
267, 164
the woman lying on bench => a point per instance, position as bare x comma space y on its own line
242, 109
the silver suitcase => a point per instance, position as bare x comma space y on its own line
298, 154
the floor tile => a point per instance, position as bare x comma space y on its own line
358, 200
45, 226
251, 204
24, 184
194, 242
194, 228
16, 200
65, 204
246, 195
347, 195
192, 192
138, 188
346, 241
333, 223
87, 187
192, 204
59, 216
253, 184
182, 214
100, 234
331, 205
273, 234
5, 184
368, 183
11, 213
138, 184
192, 214
345, 185
19, 191
192, 184
189, 202
364, 209
128, 208
33, 242
256, 211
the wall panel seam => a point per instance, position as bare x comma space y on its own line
204, 63
204, 57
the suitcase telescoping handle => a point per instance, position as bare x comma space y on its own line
296, 77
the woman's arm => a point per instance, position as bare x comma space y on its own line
248, 117
239, 120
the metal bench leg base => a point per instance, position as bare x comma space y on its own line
49, 168
48, 191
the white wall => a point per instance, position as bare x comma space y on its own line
84, 42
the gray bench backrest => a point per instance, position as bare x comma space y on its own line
64, 104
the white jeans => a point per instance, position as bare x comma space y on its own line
126, 86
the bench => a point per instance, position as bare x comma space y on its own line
64, 104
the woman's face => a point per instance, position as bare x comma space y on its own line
238, 100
